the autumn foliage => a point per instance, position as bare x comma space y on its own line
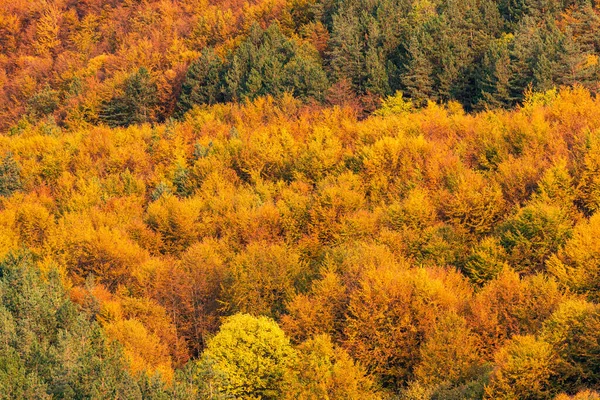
276, 249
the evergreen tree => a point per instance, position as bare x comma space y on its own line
346, 55
137, 103
48, 349
377, 76
417, 80
203, 82
523, 56
495, 76
304, 76
44, 102
512, 11
268, 63
359, 49
585, 25
573, 62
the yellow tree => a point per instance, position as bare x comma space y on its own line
577, 264
391, 314
325, 371
523, 370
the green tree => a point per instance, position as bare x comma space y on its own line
512, 11
524, 369
304, 75
48, 348
486, 261
417, 80
268, 63
574, 332
496, 75
358, 53
252, 354
346, 54
45, 102
534, 234
542, 56
585, 25
203, 82
136, 104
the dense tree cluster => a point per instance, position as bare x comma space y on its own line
129, 61
281, 249
266, 63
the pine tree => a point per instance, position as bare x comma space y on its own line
203, 82
586, 28
496, 76
522, 55
512, 11
304, 76
137, 103
377, 77
346, 55
417, 80
269, 63
48, 345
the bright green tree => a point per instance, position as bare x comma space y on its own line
252, 354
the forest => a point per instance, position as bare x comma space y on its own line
122, 62
300, 199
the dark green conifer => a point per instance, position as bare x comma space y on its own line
137, 103
417, 80
203, 82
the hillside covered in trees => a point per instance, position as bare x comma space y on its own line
300, 199
120, 62
278, 250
